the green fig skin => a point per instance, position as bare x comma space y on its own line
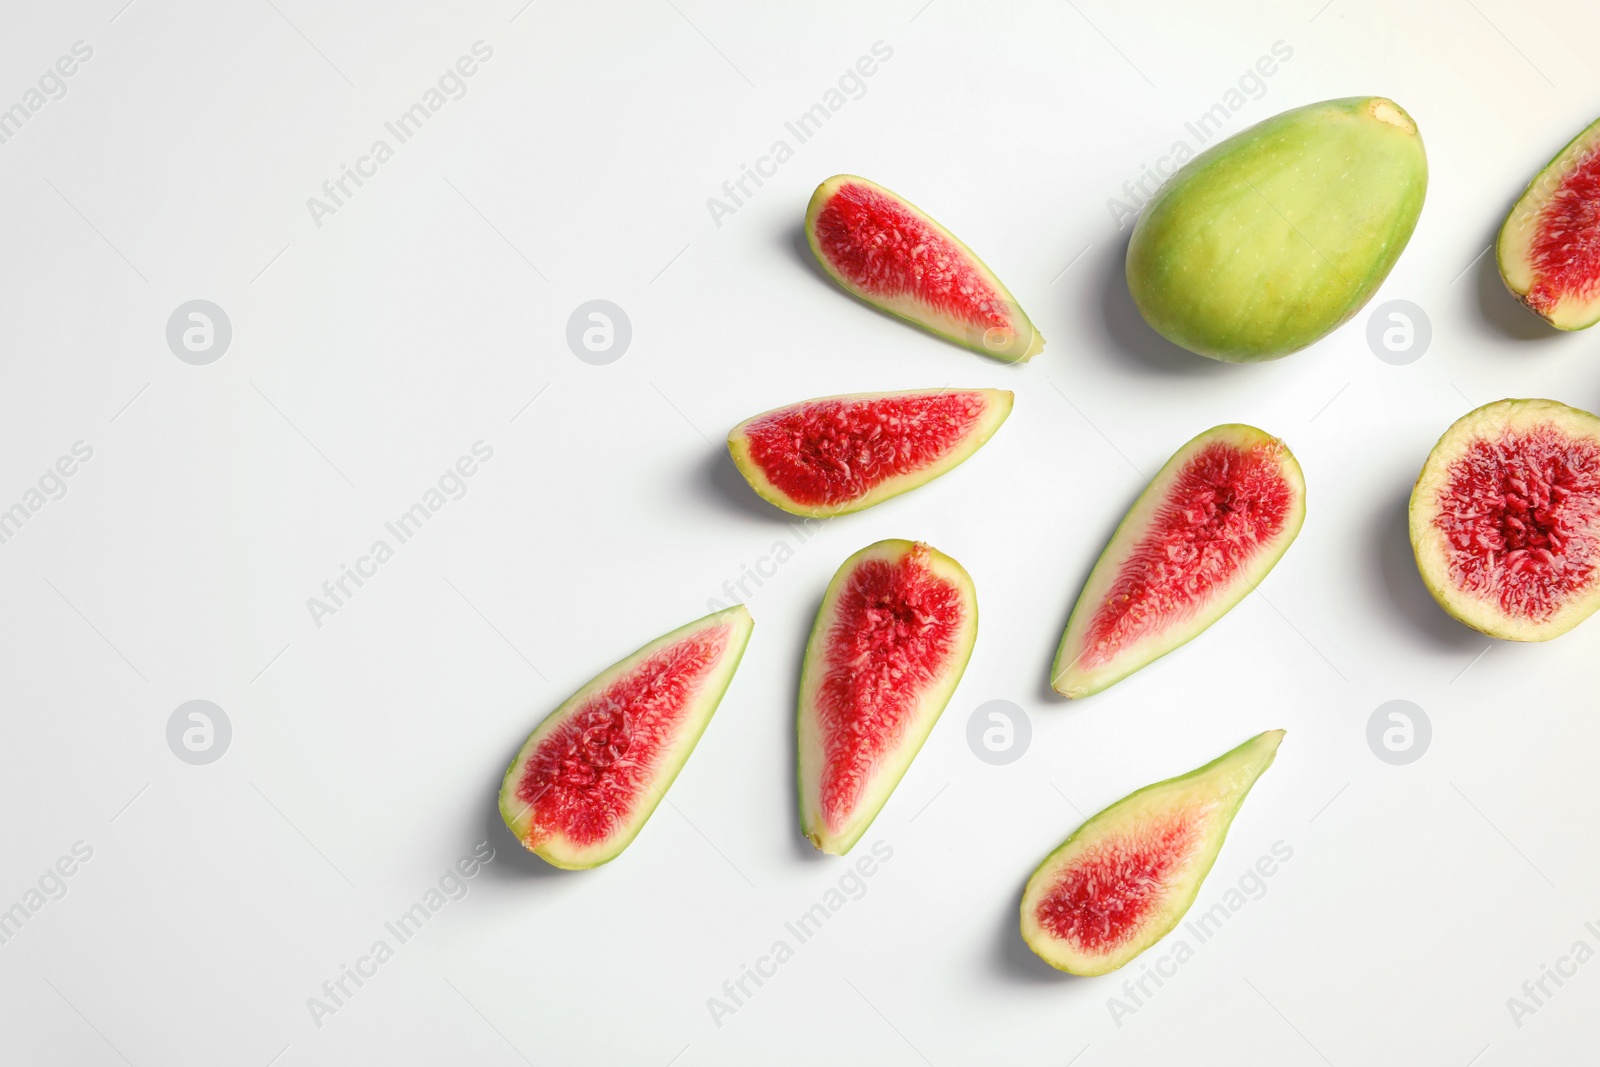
1270, 240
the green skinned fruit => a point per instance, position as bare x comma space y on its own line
1270, 240
1127, 876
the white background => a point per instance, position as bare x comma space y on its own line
372, 351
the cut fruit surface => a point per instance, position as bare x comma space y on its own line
840, 454
1206, 530
890, 643
588, 778
1269, 240
1127, 876
1505, 519
1549, 247
887, 252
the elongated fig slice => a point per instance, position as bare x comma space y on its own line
1205, 531
589, 776
839, 454
1505, 519
896, 628
887, 252
1126, 877
1549, 247
1268, 241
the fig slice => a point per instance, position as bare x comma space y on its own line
590, 775
1549, 247
1128, 875
839, 454
886, 251
1205, 531
890, 643
1505, 519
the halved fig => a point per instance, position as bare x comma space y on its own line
1505, 519
889, 253
590, 775
1126, 877
1206, 530
896, 628
1549, 246
839, 454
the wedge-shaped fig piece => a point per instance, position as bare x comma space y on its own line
1205, 531
886, 251
1126, 877
588, 778
1549, 247
840, 454
1271, 239
891, 641
1505, 519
